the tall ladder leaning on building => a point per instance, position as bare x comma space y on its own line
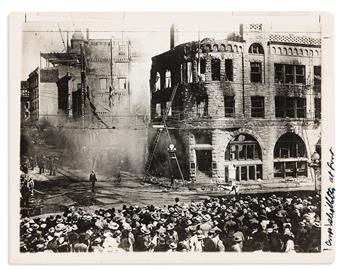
158, 135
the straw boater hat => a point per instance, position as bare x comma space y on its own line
144, 230
170, 227
60, 227
107, 234
237, 239
206, 218
127, 227
155, 216
113, 225
173, 245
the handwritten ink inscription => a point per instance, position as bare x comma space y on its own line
330, 199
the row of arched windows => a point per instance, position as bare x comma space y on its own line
290, 157
222, 47
256, 48
295, 51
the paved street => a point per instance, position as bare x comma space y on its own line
72, 187
54, 193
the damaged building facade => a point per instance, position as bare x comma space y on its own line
102, 99
251, 101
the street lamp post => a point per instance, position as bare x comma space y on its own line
316, 165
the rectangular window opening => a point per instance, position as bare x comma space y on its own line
255, 72
258, 106
229, 106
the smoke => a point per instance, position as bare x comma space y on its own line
107, 151
161, 165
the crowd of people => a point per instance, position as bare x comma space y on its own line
268, 223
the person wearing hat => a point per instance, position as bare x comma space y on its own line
172, 247
199, 243
110, 244
289, 245
218, 243
206, 226
93, 180
171, 235
96, 245
160, 245
126, 241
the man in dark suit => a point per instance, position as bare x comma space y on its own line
93, 180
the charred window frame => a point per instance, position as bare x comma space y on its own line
202, 66
228, 70
215, 69
122, 84
122, 49
184, 72
317, 75
202, 107
189, 72
103, 84
289, 74
229, 106
167, 79
258, 106
290, 107
158, 82
279, 73
317, 105
158, 110
300, 74
255, 72
256, 48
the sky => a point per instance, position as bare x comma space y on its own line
151, 30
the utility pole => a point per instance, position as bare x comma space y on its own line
82, 77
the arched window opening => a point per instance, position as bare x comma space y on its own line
244, 153
256, 48
207, 48
279, 51
290, 157
301, 52
235, 48
274, 51
215, 47
222, 47
230, 48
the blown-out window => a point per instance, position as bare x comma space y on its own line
229, 106
215, 69
258, 106
228, 70
290, 107
256, 48
289, 74
255, 72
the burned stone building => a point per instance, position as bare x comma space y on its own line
24, 101
103, 98
252, 100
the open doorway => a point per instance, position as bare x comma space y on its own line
204, 162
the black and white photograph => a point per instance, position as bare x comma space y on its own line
193, 133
